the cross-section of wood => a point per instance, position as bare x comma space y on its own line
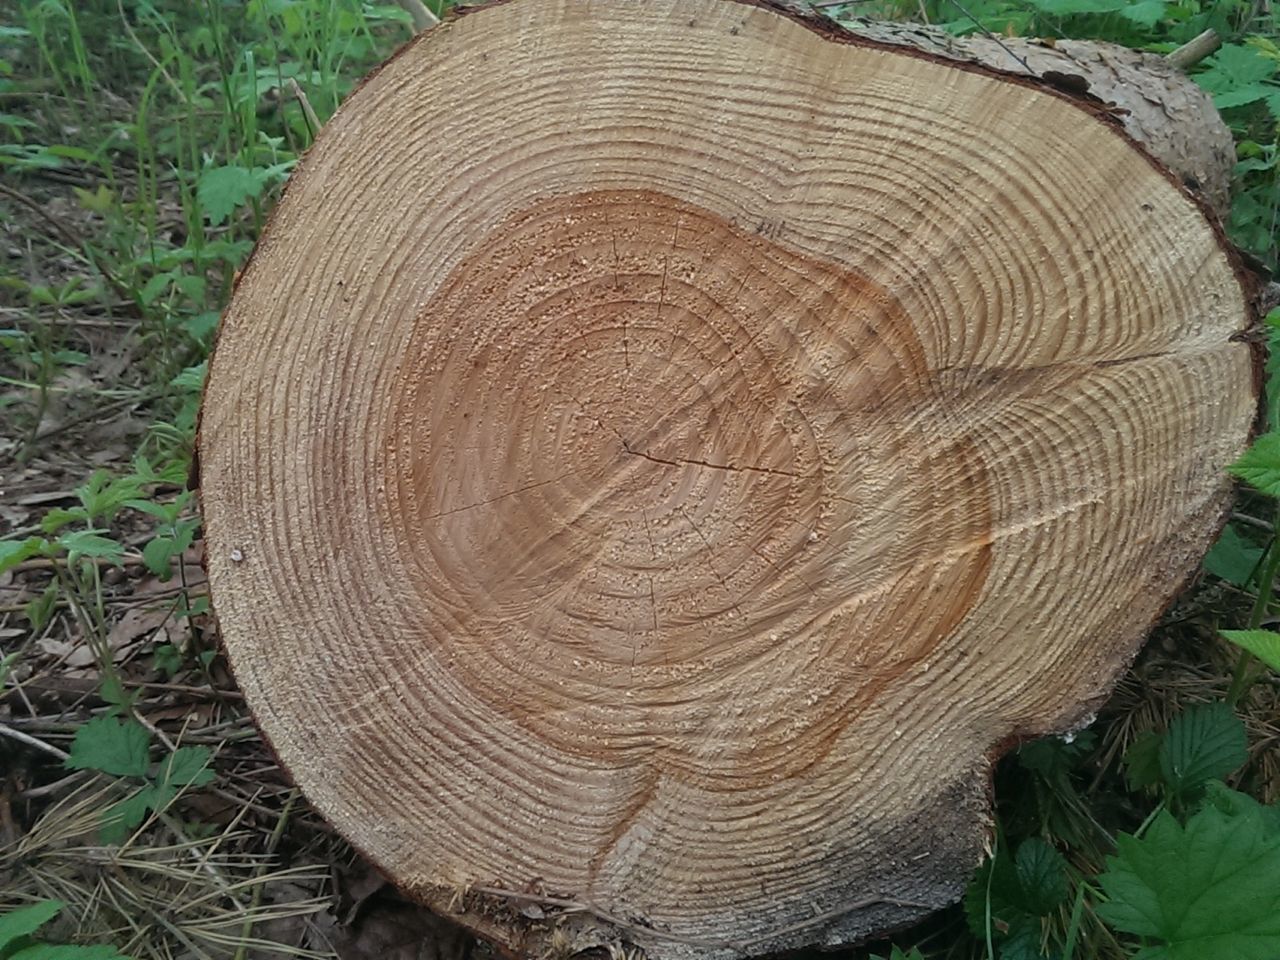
660, 454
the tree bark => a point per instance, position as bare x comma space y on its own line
660, 455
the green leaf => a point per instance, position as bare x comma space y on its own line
1042, 876
1055, 757
14, 552
1146, 13
187, 767
157, 554
1209, 890
1022, 941
1241, 97
27, 920
114, 693
1204, 742
161, 511
192, 378
112, 746
1263, 644
1234, 67
995, 882
1253, 165
1142, 760
121, 819
167, 659
201, 325
103, 496
222, 189
1260, 465
152, 289
90, 543
57, 518
66, 951
1063, 8
1236, 804
1233, 558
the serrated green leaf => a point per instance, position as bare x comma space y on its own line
121, 819
91, 543
112, 746
161, 511
1233, 558
1260, 465
1204, 742
1145, 13
1209, 890
1235, 66
1241, 96
157, 555
1263, 644
57, 518
995, 881
1253, 165
187, 767
1022, 942
27, 920
14, 552
1236, 804
192, 378
222, 189
167, 659
1042, 876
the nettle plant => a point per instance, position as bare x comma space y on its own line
1198, 879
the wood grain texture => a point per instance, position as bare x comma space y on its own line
657, 457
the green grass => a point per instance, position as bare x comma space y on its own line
144, 144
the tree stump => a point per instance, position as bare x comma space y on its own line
660, 455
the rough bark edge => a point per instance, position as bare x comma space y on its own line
509, 931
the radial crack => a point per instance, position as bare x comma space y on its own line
692, 461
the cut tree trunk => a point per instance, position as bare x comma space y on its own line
660, 454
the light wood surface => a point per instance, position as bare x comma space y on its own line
658, 456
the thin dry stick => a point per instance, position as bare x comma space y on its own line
1195, 50
994, 37
30, 741
256, 899
423, 19
34, 793
308, 114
